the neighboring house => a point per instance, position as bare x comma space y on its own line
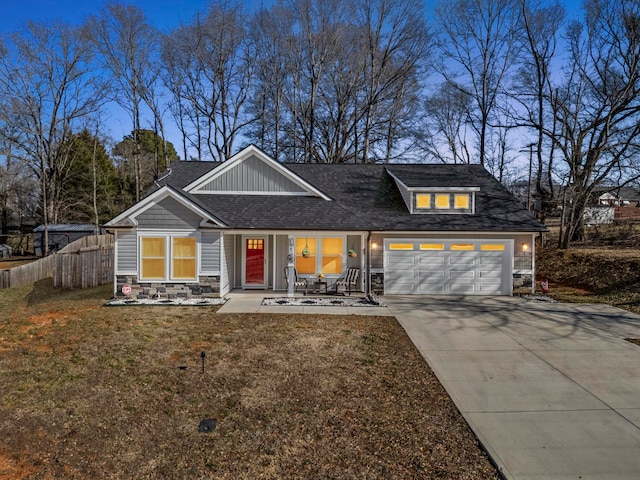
61, 235
5, 251
609, 204
209, 228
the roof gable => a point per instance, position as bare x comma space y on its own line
252, 172
165, 195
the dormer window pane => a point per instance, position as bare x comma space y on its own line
442, 201
423, 200
461, 200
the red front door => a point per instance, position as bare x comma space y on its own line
254, 270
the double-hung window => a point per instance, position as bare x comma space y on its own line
168, 258
319, 255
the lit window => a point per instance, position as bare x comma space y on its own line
442, 200
463, 246
184, 258
306, 255
431, 246
152, 258
461, 201
423, 200
490, 247
255, 244
331, 256
401, 246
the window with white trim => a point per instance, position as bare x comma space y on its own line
168, 257
443, 202
320, 255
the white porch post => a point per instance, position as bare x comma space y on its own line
291, 267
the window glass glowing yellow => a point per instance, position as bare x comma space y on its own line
152, 258
461, 200
463, 246
442, 200
401, 246
331, 256
184, 258
423, 200
306, 264
431, 246
490, 247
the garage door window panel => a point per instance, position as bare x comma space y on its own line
457, 247
432, 246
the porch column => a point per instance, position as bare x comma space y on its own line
291, 267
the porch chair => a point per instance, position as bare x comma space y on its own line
349, 280
297, 281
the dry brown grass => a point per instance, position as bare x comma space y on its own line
596, 275
96, 392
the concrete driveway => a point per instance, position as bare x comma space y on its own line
552, 390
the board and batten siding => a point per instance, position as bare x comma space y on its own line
210, 253
168, 214
126, 252
282, 252
252, 175
227, 271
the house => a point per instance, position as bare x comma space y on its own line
60, 235
610, 204
208, 228
5, 251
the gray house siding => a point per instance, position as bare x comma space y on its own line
168, 214
210, 252
227, 271
127, 252
252, 175
407, 196
282, 251
354, 242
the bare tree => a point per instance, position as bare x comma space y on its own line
597, 105
394, 49
479, 48
128, 45
533, 84
211, 58
443, 133
48, 85
338, 80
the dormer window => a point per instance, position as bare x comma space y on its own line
442, 197
443, 202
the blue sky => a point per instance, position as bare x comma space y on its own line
163, 14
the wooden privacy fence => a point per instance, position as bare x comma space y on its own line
85, 263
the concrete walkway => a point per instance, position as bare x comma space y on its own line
551, 390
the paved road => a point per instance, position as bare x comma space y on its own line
551, 390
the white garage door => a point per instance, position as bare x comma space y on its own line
460, 267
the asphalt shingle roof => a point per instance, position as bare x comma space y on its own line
363, 197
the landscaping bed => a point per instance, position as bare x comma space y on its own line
96, 392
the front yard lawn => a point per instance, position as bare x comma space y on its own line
90, 391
